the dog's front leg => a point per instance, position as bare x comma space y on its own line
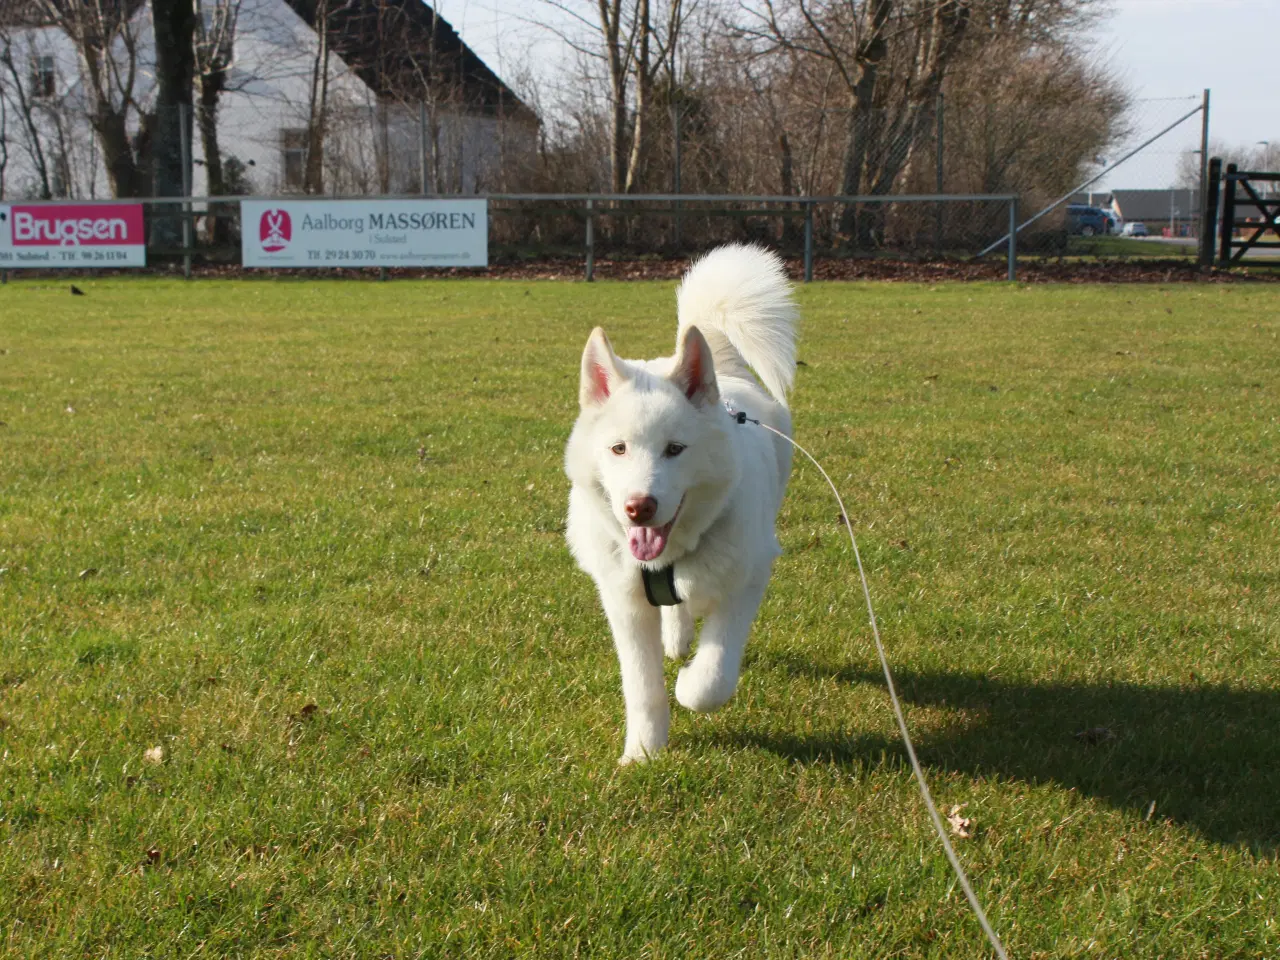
677, 631
709, 680
637, 635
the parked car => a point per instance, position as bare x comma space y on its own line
1135, 228
1086, 221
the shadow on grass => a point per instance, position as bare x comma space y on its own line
1208, 756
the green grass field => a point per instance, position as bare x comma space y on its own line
1128, 247
306, 539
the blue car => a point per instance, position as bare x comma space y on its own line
1086, 221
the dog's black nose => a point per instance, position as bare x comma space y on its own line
641, 509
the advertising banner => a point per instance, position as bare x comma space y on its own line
364, 233
50, 235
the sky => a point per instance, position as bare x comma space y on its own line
1165, 52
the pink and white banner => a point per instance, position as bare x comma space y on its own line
50, 235
364, 233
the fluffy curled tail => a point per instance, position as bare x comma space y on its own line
739, 297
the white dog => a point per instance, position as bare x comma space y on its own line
674, 499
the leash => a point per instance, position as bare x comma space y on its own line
741, 417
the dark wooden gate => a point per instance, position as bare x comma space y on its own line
1244, 196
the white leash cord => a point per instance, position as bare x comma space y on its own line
897, 709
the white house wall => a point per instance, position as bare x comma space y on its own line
369, 147
64, 135
269, 91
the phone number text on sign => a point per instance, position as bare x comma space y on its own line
364, 233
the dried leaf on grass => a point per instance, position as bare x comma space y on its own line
306, 713
1095, 735
960, 826
154, 755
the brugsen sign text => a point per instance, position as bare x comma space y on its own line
46, 236
364, 233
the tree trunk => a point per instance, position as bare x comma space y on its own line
218, 222
128, 177
790, 225
317, 120
174, 22
35, 148
4, 144
644, 87
870, 55
610, 27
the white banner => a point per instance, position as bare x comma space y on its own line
52, 235
364, 233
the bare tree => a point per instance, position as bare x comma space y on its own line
1244, 157
215, 32
4, 140
14, 87
318, 104
174, 27
634, 43
108, 41
1027, 121
892, 58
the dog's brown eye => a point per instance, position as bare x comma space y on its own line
619, 449
674, 449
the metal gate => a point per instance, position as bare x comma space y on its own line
1251, 207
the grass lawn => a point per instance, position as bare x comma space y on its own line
1129, 247
306, 539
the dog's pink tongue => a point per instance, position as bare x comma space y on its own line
647, 543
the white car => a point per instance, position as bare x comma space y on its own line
1135, 228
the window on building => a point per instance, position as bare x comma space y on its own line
44, 78
293, 150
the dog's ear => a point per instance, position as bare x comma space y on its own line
601, 371
694, 371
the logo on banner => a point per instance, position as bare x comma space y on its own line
275, 230
67, 225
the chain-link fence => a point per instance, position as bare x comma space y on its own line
208, 231
918, 182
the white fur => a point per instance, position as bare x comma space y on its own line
742, 292
735, 312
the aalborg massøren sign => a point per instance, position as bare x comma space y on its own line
364, 233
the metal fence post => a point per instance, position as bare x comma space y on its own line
184, 141
591, 242
1204, 155
1209, 212
937, 210
676, 117
808, 241
1013, 238
424, 172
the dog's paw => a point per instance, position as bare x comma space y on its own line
703, 690
636, 755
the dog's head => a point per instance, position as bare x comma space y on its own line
651, 443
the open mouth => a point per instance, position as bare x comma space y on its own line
647, 543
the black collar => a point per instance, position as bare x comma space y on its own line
660, 586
